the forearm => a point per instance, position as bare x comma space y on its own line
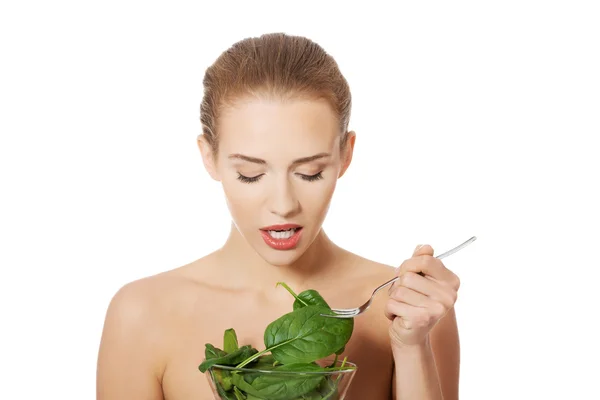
416, 376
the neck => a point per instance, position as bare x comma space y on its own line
245, 268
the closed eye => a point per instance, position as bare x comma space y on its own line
312, 178
249, 179
252, 179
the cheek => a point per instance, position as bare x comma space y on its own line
315, 197
241, 201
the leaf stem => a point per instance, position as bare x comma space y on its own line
291, 292
252, 358
255, 356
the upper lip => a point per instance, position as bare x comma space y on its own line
282, 227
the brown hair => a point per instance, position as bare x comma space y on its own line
274, 64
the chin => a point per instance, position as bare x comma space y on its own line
280, 258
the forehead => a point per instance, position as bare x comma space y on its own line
262, 127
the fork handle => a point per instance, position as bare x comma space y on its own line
443, 255
391, 281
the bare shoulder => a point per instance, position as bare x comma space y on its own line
126, 345
135, 299
137, 333
364, 269
151, 294
140, 302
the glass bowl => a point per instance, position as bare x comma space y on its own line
230, 383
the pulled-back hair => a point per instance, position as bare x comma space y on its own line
274, 65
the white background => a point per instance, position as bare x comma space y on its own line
473, 118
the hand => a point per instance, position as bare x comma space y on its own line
417, 302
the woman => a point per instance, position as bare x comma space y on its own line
275, 133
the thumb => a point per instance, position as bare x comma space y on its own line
423, 250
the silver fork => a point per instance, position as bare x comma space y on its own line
353, 312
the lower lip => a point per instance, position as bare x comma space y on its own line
282, 244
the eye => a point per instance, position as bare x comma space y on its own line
249, 179
312, 178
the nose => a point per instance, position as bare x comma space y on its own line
283, 200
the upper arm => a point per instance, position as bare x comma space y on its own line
446, 351
128, 358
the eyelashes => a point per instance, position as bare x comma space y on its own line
248, 179
253, 179
312, 178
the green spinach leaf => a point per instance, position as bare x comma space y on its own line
293, 343
211, 352
230, 342
223, 378
225, 394
304, 335
281, 387
308, 297
238, 395
237, 356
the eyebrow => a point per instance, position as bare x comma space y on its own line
261, 161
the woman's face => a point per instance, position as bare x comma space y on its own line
278, 162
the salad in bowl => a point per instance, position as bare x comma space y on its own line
300, 361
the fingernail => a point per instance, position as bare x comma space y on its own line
419, 246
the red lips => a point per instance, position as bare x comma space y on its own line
283, 227
280, 243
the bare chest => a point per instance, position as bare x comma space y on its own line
182, 380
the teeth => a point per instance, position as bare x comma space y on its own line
282, 234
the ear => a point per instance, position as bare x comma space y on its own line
208, 157
347, 152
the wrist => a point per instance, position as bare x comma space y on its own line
402, 349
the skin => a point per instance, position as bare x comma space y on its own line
406, 345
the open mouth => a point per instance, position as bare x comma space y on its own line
283, 234
282, 237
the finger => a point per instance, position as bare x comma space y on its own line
412, 316
395, 308
402, 323
393, 285
411, 297
423, 250
427, 287
407, 316
429, 266
409, 323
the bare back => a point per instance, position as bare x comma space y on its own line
157, 327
